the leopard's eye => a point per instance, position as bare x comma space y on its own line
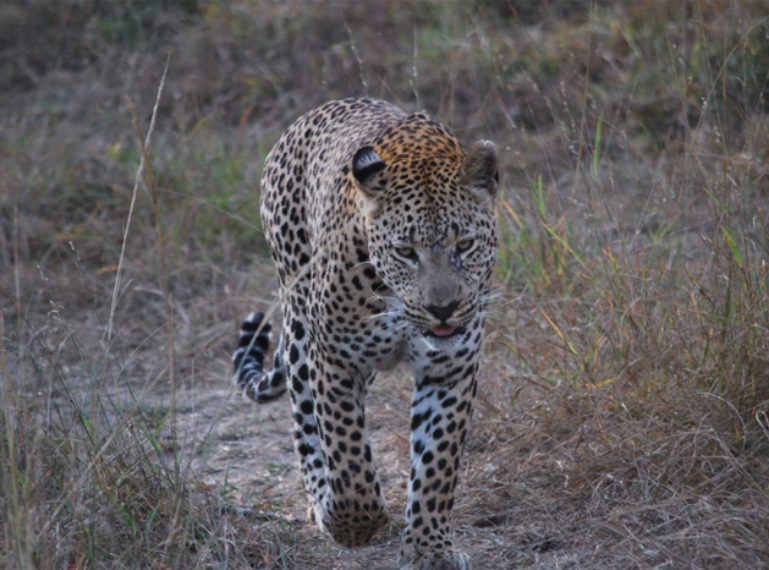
406, 252
464, 244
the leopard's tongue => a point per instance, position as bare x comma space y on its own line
443, 331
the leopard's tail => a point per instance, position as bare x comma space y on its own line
248, 362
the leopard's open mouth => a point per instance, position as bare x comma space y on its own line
444, 331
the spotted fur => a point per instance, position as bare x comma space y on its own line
383, 232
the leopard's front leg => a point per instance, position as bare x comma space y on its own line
441, 410
349, 504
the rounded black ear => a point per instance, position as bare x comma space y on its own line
366, 164
480, 170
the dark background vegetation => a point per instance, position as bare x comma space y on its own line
623, 417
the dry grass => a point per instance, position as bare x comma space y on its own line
624, 417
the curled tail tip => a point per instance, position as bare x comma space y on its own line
248, 361
253, 343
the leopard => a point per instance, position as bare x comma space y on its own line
383, 230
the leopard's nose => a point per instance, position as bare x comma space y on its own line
443, 312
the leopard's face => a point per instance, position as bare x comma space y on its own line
431, 225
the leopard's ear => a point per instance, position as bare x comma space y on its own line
480, 171
369, 169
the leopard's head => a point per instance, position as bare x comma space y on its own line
430, 217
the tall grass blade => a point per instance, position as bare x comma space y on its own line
733, 247
597, 149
